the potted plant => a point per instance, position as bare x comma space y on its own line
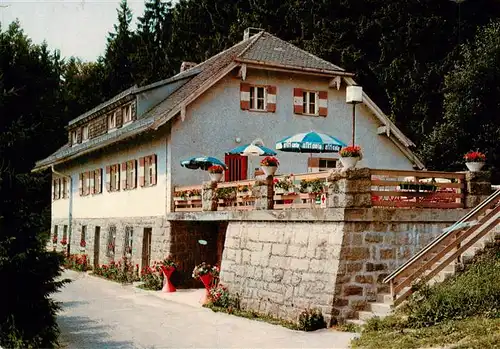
269, 165
167, 267
83, 244
349, 156
215, 172
194, 194
179, 196
474, 160
243, 191
283, 185
206, 273
54, 240
64, 242
226, 193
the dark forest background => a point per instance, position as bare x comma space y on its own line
431, 65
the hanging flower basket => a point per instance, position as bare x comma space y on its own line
349, 156
215, 172
269, 165
474, 160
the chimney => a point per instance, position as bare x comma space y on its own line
250, 31
187, 65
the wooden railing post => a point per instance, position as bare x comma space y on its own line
263, 191
478, 187
209, 200
349, 188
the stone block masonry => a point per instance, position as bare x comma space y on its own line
281, 268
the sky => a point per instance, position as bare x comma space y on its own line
75, 27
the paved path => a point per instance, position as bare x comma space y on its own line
102, 314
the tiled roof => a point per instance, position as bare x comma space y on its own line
66, 152
269, 49
208, 69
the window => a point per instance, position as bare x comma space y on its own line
112, 121
127, 113
310, 102
74, 137
85, 133
129, 238
321, 164
56, 232
114, 177
97, 181
131, 178
83, 237
85, 183
110, 248
65, 233
149, 178
257, 98
326, 164
57, 189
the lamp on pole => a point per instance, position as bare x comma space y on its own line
354, 95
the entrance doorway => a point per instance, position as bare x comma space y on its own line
146, 247
238, 167
97, 240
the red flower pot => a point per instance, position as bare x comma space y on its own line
207, 282
167, 272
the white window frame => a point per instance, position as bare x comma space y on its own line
114, 173
74, 137
85, 133
112, 121
131, 175
323, 169
254, 102
306, 95
127, 114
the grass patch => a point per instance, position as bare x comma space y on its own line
472, 333
254, 316
461, 312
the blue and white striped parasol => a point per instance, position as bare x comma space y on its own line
202, 162
252, 149
310, 142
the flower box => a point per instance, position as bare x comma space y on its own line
179, 198
244, 194
194, 198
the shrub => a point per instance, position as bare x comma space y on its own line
476, 291
220, 297
152, 278
77, 262
123, 271
311, 320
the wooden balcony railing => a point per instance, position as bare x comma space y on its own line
424, 189
389, 188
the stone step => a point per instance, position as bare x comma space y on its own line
356, 322
380, 308
384, 298
367, 315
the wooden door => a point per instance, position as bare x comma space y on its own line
238, 167
97, 241
146, 247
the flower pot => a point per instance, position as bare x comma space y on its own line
179, 198
207, 282
474, 166
167, 272
349, 162
193, 198
269, 170
279, 191
215, 177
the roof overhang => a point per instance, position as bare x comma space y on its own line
292, 68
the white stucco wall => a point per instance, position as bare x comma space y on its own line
215, 120
139, 202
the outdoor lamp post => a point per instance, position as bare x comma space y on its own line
354, 95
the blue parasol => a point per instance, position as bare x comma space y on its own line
310, 142
202, 162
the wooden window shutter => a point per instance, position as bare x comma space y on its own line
153, 169
298, 99
323, 103
53, 189
80, 184
97, 181
312, 162
271, 99
134, 111
134, 174
119, 118
92, 182
244, 96
79, 134
108, 178
141, 172
124, 176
